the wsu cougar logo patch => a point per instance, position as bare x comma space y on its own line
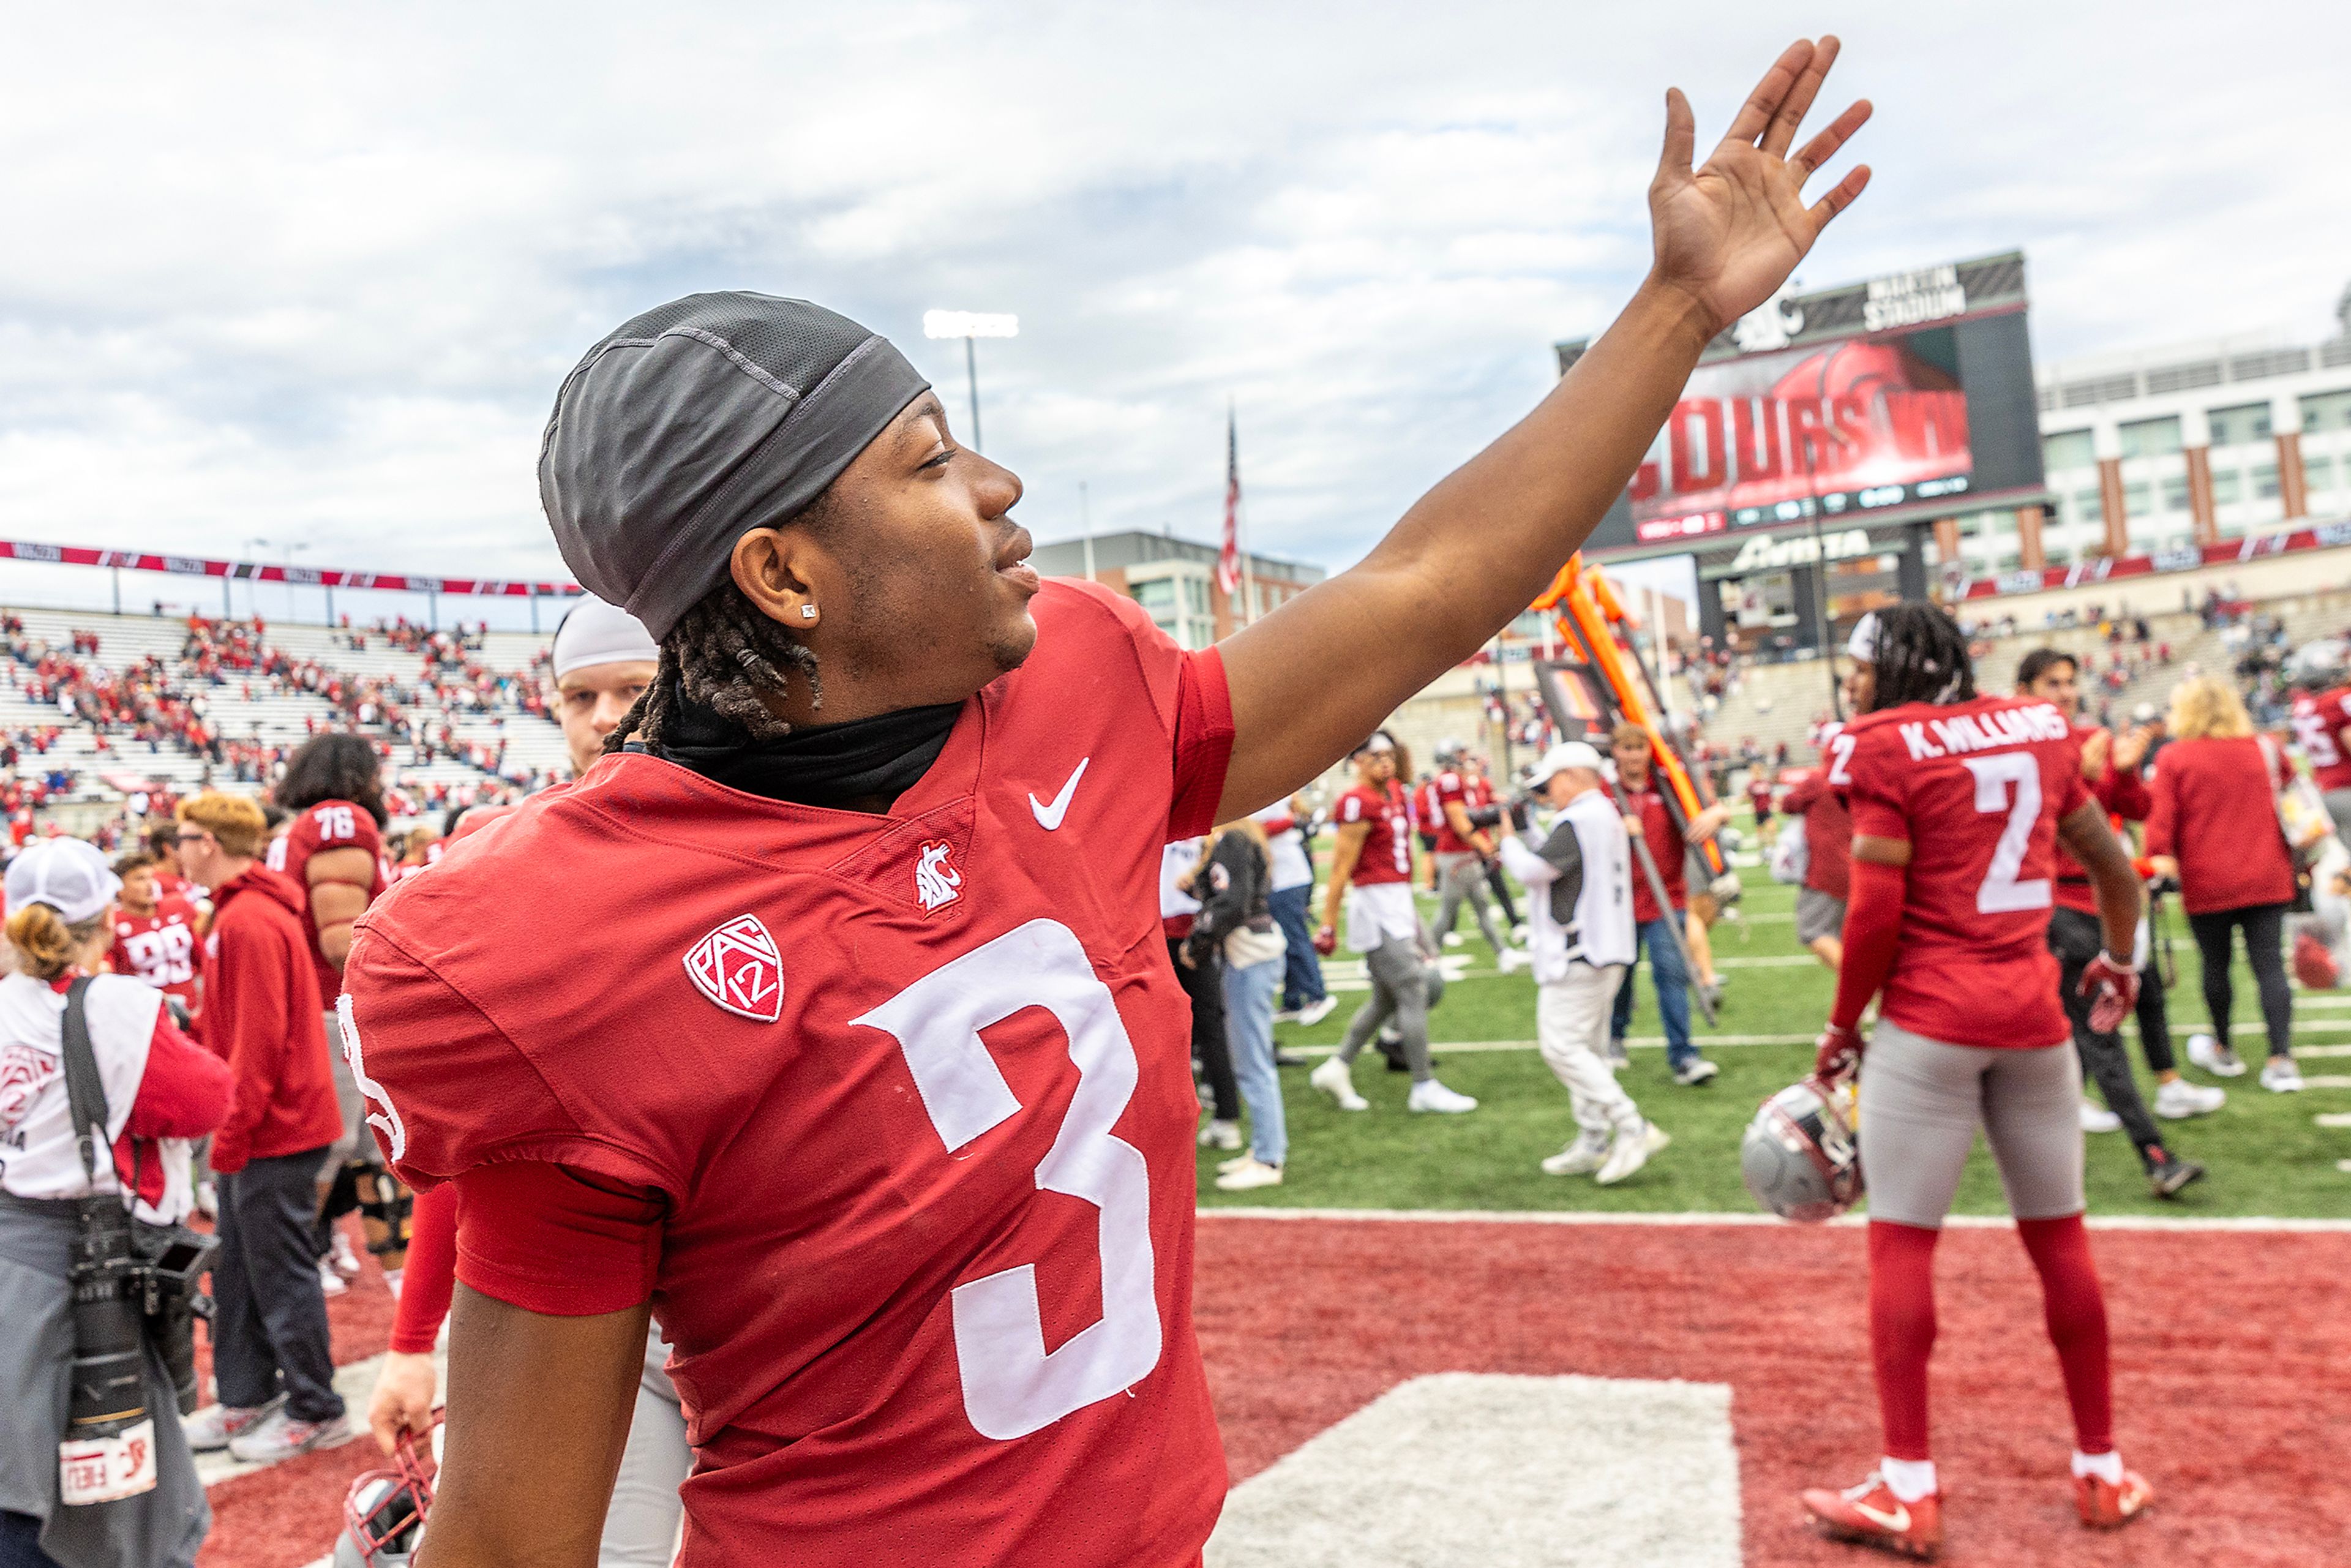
936, 883
24, 1073
737, 966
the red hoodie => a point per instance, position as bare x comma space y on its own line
262, 1012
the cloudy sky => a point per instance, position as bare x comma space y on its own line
312, 274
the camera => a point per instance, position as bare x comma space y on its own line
131, 1283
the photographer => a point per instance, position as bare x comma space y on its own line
161, 1089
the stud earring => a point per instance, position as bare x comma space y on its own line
808, 611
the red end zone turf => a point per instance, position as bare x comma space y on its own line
2232, 1364
2233, 1370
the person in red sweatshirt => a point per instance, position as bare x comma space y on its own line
1828, 856
2213, 825
270, 1355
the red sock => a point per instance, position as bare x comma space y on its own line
1902, 1331
2076, 1312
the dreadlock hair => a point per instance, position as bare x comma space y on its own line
1921, 657
725, 655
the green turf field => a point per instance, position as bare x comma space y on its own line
2266, 1154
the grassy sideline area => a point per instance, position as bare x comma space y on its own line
2266, 1154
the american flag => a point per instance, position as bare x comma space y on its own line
1229, 559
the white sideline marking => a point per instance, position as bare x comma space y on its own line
2327, 1081
1657, 1042
2333, 1119
1482, 1470
1578, 1217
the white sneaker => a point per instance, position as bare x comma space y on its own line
1630, 1151
280, 1437
1220, 1135
2178, 1100
2280, 1076
1334, 1078
1430, 1095
339, 1253
1581, 1157
1454, 939
1249, 1174
1285, 1015
1314, 1013
2208, 1053
209, 1429
330, 1282
1514, 958
208, 1199
1522, 931
1236, 1163
2096, 1118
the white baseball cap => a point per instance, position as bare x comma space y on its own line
67, 875
595, 633
1566, 754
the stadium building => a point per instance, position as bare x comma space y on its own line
1837, 450
1175, 579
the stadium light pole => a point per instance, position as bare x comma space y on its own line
970, 326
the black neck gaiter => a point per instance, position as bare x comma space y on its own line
837, 765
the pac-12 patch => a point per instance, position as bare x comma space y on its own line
737, 966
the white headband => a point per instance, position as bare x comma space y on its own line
595, 633
1863, 645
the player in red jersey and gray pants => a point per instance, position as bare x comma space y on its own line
1371, 869
846, 1039
1959, 802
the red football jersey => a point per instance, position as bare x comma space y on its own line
2318, 723
329, 825
915, 1090
1450, 787
162, 949
1387, 852
1977, 789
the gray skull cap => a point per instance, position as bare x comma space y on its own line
697, 420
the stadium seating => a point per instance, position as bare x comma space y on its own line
107, 763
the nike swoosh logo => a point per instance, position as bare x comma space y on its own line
1899, 1522
1049, 817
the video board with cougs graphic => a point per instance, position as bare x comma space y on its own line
1892, 401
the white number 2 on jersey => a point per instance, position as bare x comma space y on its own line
2002, 893
1011, 1386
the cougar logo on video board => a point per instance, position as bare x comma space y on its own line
737, 966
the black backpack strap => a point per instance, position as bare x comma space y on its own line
84, 1091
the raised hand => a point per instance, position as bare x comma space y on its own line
1729, 233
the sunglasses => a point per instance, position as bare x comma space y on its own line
191, 838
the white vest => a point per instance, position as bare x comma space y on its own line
1603, 908
38, 1158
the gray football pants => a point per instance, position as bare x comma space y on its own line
641, 1527
1922, 1100
1399, 989
1460, 876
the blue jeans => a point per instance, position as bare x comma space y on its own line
1249, 1027
1657, 938
1302, 972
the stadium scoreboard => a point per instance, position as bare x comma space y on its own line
1889, 402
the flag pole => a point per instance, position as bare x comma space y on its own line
1240, 534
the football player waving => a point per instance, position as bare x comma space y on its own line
846, 1042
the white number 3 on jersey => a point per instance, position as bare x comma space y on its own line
1011, 1386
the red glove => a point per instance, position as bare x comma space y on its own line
1839, 1053
2114, 985
1326, 942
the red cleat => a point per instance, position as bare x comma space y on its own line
2105, 1506
1871, 1515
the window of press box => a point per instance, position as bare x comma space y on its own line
2228, 487
2068, 449
1156, 595
2174, 494
2318, 472
2137, 500
2326, 411
2151, 437
2265, 481
2239, 426
2090, 505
